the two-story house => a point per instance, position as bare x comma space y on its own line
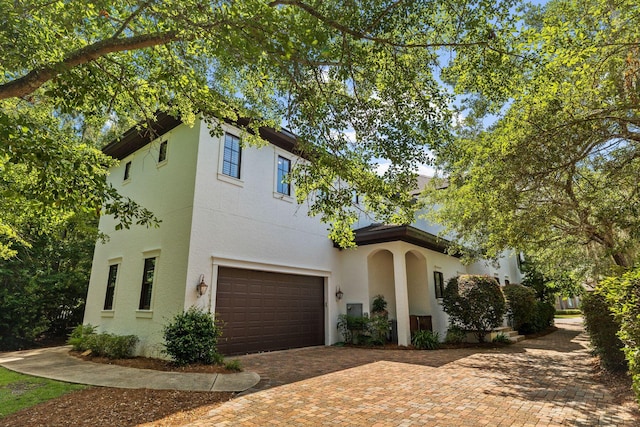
234, 241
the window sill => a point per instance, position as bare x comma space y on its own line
231, 180
107, 313
162, 163
144, 314
282, 197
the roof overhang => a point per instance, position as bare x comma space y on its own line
404, 233
138, 136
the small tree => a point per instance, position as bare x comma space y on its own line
475, 303
192, 337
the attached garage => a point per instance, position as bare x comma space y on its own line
265, 311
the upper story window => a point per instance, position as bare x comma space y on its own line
127, 171
162, 154
284, 167
438, 279
111, 286
232, 156
147, 283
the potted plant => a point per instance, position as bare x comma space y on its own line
379, 306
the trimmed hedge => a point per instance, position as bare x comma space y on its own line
84, 337
521, 301
474, 303
603, 328
623, 296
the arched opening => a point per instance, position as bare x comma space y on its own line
417, 284
381, 281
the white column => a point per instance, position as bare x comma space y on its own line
402, 297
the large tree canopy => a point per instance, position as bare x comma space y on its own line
71, 71
558, 173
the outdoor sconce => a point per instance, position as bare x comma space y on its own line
201, 288
339, 294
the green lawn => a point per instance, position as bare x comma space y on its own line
19, 391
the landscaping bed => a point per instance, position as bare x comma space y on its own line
156, 364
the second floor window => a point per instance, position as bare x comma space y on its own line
127, 171
284, 167
232, 156
111, 287
147, 283
162, 155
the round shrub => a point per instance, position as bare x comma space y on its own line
543, 316
521, 301
475, 303
192, 337
602, 328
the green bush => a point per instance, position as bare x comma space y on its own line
363, 330
603, 328
543, 316
79, 337
455, 335
233, 365
112, 346
84, 337
623, 296
521, 301
192, 337
474, 303
426, 340
378, 327
502, 339
568, 311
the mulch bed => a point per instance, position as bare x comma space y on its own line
156, 364
116, 407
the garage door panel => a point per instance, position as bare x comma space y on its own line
266, 311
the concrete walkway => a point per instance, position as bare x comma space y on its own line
55, 363
541, 382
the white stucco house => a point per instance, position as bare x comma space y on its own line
271, 272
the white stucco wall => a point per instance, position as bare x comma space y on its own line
211, 220
167, 190
244, 223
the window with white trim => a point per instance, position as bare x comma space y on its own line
162, 152
148, 275
232, 156
127, 171
284, 167
112, 278
438, 279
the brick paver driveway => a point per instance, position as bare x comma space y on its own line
542, 382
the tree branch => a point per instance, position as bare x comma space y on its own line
39, 76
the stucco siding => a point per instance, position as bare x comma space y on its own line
167, 190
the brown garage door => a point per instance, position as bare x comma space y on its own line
265, 311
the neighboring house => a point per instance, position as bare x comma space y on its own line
272, 274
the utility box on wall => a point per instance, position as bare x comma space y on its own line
354, 309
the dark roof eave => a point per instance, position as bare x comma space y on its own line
135, 138
404, 233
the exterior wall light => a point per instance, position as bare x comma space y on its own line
201, 287
339, 294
